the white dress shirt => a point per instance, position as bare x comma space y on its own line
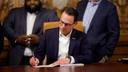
64, 42
30, 23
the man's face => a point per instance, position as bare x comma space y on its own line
32, 5
66, 23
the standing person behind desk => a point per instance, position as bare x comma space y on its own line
63, 45
23, 27
101, 26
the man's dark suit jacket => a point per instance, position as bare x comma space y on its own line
103, 33
50, 42
15, 25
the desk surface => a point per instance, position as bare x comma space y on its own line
86, 68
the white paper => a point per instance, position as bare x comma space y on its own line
39, 66
72, 64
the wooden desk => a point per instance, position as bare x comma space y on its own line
86, 68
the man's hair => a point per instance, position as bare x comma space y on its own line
71, 11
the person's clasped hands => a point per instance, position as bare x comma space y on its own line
27, 40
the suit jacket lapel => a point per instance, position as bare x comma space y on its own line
82, 9
36, 23
24, 21
97, 14
72, 42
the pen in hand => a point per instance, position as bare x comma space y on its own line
36, 61
34, 57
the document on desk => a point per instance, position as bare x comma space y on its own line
79, 64
39, 66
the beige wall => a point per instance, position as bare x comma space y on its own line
122, 6
1, 1
1, 5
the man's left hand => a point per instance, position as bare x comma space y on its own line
34, 39
61, 61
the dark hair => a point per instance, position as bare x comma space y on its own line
71, 11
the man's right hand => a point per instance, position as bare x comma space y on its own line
33, 61
22, 39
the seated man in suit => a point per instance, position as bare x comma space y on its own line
63, 45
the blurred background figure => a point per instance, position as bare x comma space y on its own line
101, 24
23, 27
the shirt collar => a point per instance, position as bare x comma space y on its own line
95, 3
31, 13
61, 34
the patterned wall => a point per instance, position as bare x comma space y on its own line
122, 6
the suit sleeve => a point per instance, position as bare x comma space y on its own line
39, 52
9, 26
114, 31
85, 55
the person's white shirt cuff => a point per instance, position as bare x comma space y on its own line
72, 60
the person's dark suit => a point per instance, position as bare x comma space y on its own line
103, 33
1, 38
50, 42
15, 25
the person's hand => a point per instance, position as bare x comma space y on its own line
104, 59
33, 61
22, 39
61, 61
64, 61
34, 39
